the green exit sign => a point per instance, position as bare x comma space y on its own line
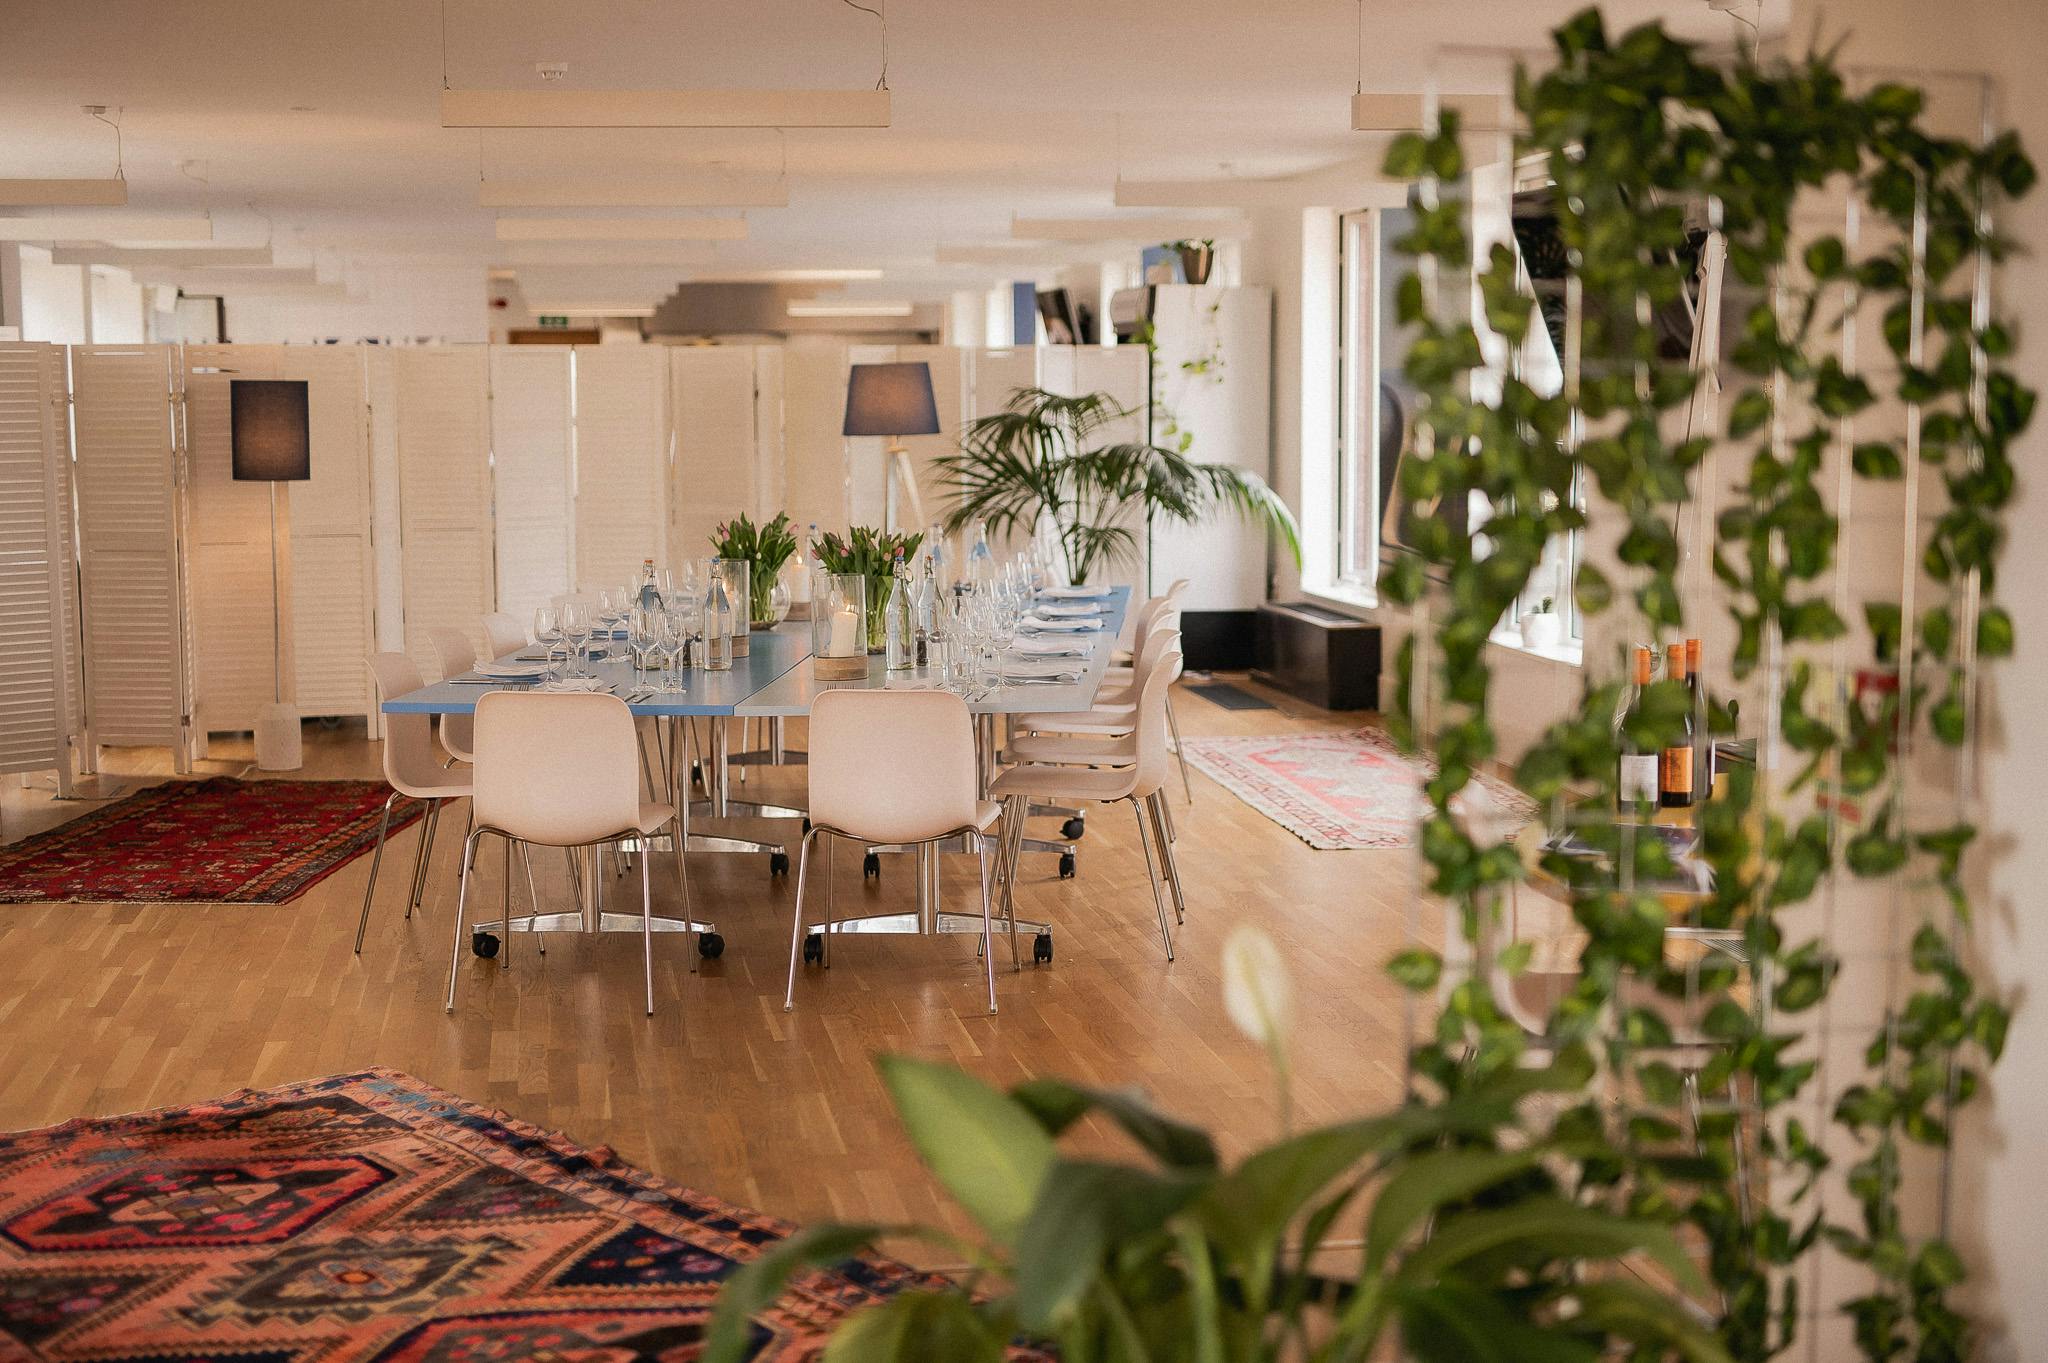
553, 321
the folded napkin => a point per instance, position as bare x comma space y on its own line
1041, 669
577, 684
1073, 593
1044, 624
1051, 648
1090, 608
510, 671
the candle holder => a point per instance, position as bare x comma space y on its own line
839, 642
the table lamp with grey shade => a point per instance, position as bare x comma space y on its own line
270, 434
892, 401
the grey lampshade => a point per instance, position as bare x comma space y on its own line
891, 399
270, 430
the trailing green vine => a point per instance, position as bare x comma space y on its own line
1633, 131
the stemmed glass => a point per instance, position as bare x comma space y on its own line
672, 634
643, 629
612, 605
576, 626
547, 629
1002, 629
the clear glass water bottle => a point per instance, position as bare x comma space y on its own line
924, 597
980, 559
899, 621
648, 595
718, 626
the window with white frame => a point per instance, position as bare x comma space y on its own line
1375, 402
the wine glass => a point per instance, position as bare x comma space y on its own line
576, 626
612, 605
547, 629
673, 634
643, 627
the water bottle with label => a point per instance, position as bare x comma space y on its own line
648, 595
718, 626
899, 622
980, 560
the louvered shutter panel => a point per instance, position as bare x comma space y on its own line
135, 645
35, 696
814, 453
622, 453
444, 493
530, 475
57, 417
227, 546
716, 469
332, 580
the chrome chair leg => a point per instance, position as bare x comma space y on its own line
988, 944
505, 926
1162, 830
1166, 815
796, 931
1187, 788
376, 860
461, 921
831, 903
647, 929
469, 822
540, 940
1152, 874
1018, 808
420, 856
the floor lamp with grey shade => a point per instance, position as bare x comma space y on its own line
892, 401
271, 438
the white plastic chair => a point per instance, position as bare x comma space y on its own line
411, 768
894, 768
561, 771
504, 634
1141, 783
458, 655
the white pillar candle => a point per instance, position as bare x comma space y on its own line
845, 633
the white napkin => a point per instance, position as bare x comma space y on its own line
584, 684
1073, 593
1051, 647
1045, 668
509, 670
1095, 608
1045, 624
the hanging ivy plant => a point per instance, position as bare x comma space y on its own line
1631, 131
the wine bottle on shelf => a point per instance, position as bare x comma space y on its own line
1637, 781
1674, 764
1703, 734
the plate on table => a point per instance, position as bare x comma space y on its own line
1089, 608
510, 671
1046, 624
1073, 593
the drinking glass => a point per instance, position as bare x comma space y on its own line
547, 630
674, 633
612, 605
1002, 632
576, 626
643, 627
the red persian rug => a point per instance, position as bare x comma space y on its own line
218, 841
1349, 789
372, 1217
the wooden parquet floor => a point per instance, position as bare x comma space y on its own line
106, 1009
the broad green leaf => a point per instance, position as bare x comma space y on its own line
987, 1150
1085, 1210
1452, 1323
759, 1282
1058, 1105
1247, 1209
1653, 1318
918, 1327
1426, 1182
1551, 1226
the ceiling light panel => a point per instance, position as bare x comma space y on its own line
664, 108
814, 307
1372, 112
1129, 229
64, 193
622, 229
165, 257
112, 227
680, 192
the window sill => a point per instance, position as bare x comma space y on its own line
1570, 653
1344, 596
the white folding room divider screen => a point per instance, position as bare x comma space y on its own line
622, 455
39, 698
133, 605
530, 465
444, 493
333, 578
719, 469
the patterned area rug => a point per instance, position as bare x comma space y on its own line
1344, 790
372, 1217
218, 841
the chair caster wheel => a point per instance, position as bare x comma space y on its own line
814, 948
484, 944
871, 866
1041, 949
1073, 828
778, 863
710, 945
1066, 866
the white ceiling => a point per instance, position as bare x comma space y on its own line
325, 116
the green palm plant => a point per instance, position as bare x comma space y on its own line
1038, 459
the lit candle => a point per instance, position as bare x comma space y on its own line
846, 634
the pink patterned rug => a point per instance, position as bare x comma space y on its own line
1335, 791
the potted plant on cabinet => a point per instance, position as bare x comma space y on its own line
1040, 461
1542, 627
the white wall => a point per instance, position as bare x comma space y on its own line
52, 300
401, 304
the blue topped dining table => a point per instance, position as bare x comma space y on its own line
773, 681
